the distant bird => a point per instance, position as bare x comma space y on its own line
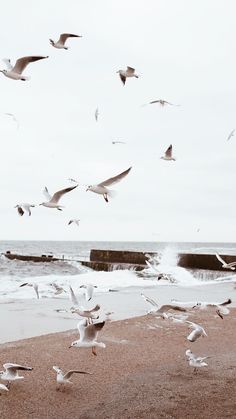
89, 290
53, 201
129, 72
13, 118
65, 378
96, 114
231, 134
75, 221
118, 142
220, 308
60, 44
162, 102
11, 372
32, 284
3, 388
224, 264
197, 332
196, 361
88, 336
88, 313
168, 154
161, 310
101, 189
73, 180
15, 72
57, 288
21, 208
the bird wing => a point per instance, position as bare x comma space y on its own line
7, 61
47, 194
220, 259
23, 285
231, 264
229, 301
57, 369
20, 211
91, 331
81, 326
150, 301
57, 195
15, 367
36, 288
96, 308
123, 78
65, 36
69, 373
115, 179
154, 101
130, 70
96, 114
231, 134
73, 297
168, 152
21, 63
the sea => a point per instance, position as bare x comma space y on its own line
70, 271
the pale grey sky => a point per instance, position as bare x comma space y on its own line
184, 52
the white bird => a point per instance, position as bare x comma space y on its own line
32, 284
161, 310
231, 134
197, 332
13, 118
101, 188
88, 313
226, 265
118, 142
3, 388
60, 44
196, 361
73, 298
15, 72
57, 288
88, 336
89, 290
220, 308
168, 154
65, 378
162, 102
75, 221
11, 372
129, 72
96, 114
21, 208
53, 201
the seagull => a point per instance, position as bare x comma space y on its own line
11, 372
15, 72
118, 142
60, 44
32, 284
57, 288
162, 102
197, 331
96, 114
161, 310
54, 200
88, 313
73, 298
65, 378
195, 361
75, 221
21, 208
224, 264
3, 388
231, 134
14, 118
73, 180
168, 154
89, 290
220, 308
101, 187
88, 336
129, 72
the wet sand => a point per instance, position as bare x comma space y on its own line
142, 373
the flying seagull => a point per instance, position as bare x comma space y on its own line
197, 332
220, 308
168, 154
88, 336
65, 378
88, 313
57, 288
129, 72
101, 189
15, 72
11, 372
13, 118
226, 265
96, 114
53, 201
60, 44
32, 284
231, 134
161, 310
21, 208
162, 102
75, 221
89, 290
118, 142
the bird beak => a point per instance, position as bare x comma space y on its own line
87, 189
70, 346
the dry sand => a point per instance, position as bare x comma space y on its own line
142, 373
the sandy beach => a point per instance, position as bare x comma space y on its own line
142, 373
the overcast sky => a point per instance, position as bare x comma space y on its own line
184, 52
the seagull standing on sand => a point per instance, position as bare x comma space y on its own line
196, 361
65, 378
226, 265
11, 372
21, 208
88, 336
54, 200
168, 154
101, 189
60, 44
15, 72
129, 72
197, 332
32, 284
89, 290
75, 221
161, 310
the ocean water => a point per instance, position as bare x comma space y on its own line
71, 272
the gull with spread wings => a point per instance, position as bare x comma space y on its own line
11, 372
65, 378
53, 201
60, 44
161, 310
15, 72
21, 208
88, 336
101, 188
168, 154
129, 72
226, 265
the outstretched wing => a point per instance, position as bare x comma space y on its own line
20, 211
150, 300
220, 259
57, 195
65, 36
73, 297
15, 367
123, 78
115, 179
168, 152
21, 63
91, 331
130, 70
69, 373
47, 194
